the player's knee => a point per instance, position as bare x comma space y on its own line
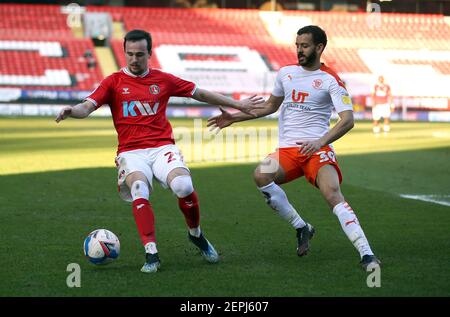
332, 191
333, 195
262, 179
140, 189
182, 186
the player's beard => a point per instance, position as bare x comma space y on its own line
309, 60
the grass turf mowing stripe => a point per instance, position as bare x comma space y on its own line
47, 214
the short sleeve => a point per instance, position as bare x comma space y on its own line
181, 87
278, 90
339, 95
103, 93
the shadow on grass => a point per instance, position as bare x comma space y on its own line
47, 215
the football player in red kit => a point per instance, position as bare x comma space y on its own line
382, 105
137, 96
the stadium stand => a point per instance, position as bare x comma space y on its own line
353, 41
231, 50
347, 31
26, 44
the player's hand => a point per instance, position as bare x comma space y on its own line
251, 105
308, 148
64, 113
220, 121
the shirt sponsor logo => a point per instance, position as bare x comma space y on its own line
144, 108
297, 106
154, 89
299, 96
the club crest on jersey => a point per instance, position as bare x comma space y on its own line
144, 108
154, 89
317, 83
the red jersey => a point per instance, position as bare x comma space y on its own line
138, 106
382, 92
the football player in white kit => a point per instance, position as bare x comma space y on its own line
306, 94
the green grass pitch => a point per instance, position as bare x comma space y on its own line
58, 183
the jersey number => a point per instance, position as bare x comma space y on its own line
170, 157
327, 156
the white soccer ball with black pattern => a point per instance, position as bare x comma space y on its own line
101, 246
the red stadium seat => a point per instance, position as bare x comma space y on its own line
44, 23
348, 33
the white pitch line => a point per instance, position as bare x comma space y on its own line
428, 198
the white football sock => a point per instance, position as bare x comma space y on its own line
196, 232
386, 128
151, 248
376, 129
350, 225
277, 199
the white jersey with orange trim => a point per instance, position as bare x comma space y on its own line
309, 98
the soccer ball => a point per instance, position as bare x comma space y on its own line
101, 246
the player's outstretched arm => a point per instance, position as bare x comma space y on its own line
225, 118
248, 105
220, 121
79, 111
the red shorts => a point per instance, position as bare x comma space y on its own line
296, 165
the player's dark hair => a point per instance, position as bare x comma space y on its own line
317, 33
137, 35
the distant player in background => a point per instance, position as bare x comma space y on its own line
307, 93
382, 105
137, 96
